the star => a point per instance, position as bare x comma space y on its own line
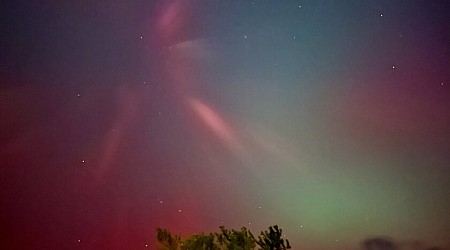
78, 95
381, 15
179, 210
393, 67
82, 161
245, 36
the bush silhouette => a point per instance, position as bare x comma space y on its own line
225, 239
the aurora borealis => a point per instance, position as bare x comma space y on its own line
328, 118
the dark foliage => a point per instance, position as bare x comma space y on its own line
273, 240
225, 240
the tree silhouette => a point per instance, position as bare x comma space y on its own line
236, 240
200, 242
168, 241
272, 239
379, 243
224, 240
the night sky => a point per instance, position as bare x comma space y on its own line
328, 118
